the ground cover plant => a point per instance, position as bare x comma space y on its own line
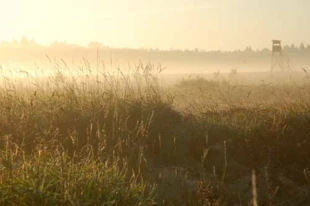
105, 137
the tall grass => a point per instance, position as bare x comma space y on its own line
110, 137
77, 140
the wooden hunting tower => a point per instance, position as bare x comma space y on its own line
279, 59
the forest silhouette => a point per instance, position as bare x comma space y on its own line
28, 51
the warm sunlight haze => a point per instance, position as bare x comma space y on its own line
155, 102
165, 24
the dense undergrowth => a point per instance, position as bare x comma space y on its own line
119, 139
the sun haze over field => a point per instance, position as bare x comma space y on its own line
164, 24
155, 102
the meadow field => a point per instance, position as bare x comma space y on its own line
95, 136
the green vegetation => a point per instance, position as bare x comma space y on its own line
119, 139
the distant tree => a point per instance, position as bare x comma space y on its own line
14, 41
94, 44
302, 46
248, 49
24, 40
292, 47
265, 51
286, 48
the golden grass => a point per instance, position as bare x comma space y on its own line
83, 137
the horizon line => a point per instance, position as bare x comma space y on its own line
101, 45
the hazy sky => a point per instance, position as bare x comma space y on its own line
205, 24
